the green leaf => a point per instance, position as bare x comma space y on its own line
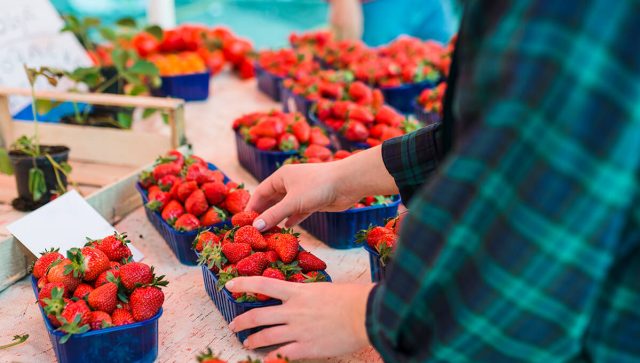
120, 58
127, 22
165, 118
5, 162
144, 68
108, 34
37, 185
125, 120
65, 167
148, 112
45, 106
156, 31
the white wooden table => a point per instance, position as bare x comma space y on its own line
190, 322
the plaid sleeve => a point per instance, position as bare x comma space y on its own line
411, 159
505, 253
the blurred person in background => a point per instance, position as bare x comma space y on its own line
378, 22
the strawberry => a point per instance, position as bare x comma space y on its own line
173, 192
195, 160
377, 130
146, 179
287, 247
373, 142
244, 218
273, 273
214, 192
167, 182
166, 169
309, 262
269, 127
385, 246
278, 359
358, 90
301, 130
388, 116
196, 204
390, 133
318, 137
266, 143
317, 151
271, 256
237, 200
135, 273
89, 261
372, 235
115, 246
288, 142
312, 276
212, 216
356, 131
100, 320
107, 276
42, 264
208, 176
186, 189
361, 114
63, 271
76, 317
252, 265
115, 265
42, 281
157, 201
172, 211
205, 238
341, 154
209, 357
53, 302
104, 298
122, 317
234, 252
46, 292
146, 301
82, 290
195, 171
252, 236
186, 223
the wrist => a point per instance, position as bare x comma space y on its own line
360, 314
364, 174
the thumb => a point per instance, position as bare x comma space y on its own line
276, 214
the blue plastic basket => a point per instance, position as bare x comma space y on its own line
137, 342
181, 243
189, 87
227, 305
260, 163
302, 105
339, 229
401, 98
427, 118
376, 267
269, 83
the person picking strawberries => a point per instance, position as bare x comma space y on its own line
521, 243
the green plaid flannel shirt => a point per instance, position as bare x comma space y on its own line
524, 244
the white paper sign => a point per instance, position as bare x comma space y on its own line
65, 222
30, 34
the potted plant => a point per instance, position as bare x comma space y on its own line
41, 171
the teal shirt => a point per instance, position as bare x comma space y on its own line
385, 20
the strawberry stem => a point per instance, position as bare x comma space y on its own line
17, 339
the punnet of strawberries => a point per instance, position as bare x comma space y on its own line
96, 287
279, 131
365, 124
288, 63
382, 239
188, 195
431, 99
244, 251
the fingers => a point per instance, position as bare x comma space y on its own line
276, 214
264, 196
277, 289
292, 351
296, 219
272, 315
270, 336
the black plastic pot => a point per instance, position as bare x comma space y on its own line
23, 163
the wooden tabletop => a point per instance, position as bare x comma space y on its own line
190, 322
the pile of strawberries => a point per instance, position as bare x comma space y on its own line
189, 195
313, 41
431, 99
209, 357
279, 131
382, 239
96, 286
288, 63
244, 251
358, 123
343, 53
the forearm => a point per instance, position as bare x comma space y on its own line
364, 174
346, 19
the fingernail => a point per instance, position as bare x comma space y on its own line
232, 326
246, 343
229, 285
259, 224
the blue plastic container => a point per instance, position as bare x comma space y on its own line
260, 163
181, 243
376, 267
339, 229
401, 98
302, 105
227, 305
53, 116
269, 83
189, 87
137, 342
427, 118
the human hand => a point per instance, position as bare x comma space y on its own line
315, 320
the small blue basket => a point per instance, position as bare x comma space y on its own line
260, 163
427, 118
302, 105
401, 98
137, 342
227, 305
189, 87
269, 83
181, 243
377, 269
339, 229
